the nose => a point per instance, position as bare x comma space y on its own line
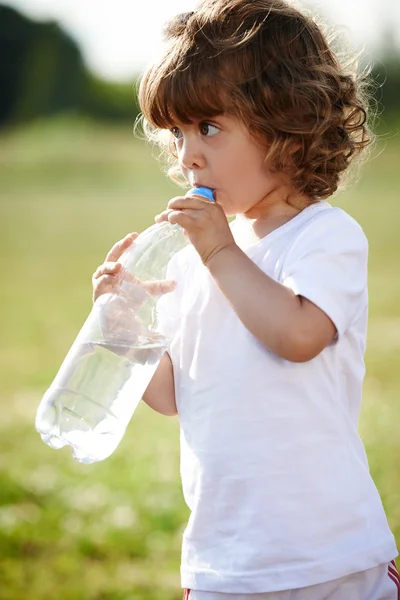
190, 153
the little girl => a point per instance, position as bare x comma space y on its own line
266, 365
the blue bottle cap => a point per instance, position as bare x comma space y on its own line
202, 191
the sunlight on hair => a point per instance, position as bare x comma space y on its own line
296, 84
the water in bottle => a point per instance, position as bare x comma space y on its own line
115, 355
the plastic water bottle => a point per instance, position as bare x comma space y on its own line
109, 366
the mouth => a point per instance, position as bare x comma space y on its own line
200, 184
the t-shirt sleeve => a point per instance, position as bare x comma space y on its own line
327, 264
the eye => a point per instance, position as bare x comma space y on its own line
208, 129
176, 132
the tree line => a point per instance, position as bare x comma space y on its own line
42, 73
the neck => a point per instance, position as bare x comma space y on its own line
274, 210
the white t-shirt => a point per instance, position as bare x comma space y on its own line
273, 469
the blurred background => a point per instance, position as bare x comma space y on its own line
73, 180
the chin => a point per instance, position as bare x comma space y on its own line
227, 212
230, 211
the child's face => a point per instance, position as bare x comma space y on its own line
220, 154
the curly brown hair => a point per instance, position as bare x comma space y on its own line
269, 64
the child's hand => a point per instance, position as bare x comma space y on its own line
108, 275
204, 222
119, 314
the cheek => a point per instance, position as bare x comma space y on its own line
251, 175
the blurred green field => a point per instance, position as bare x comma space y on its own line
111, 531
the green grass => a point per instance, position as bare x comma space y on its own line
112, 531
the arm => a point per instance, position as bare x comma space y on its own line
290, 325
160, 393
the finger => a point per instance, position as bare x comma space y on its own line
106, 282
108, 268
194, 202
162, 216
184, 218
104, 285
157, 288
120, 247
205, 198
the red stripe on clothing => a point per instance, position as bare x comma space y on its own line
396, 581
394, 567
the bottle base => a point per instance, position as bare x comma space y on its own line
91, 439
